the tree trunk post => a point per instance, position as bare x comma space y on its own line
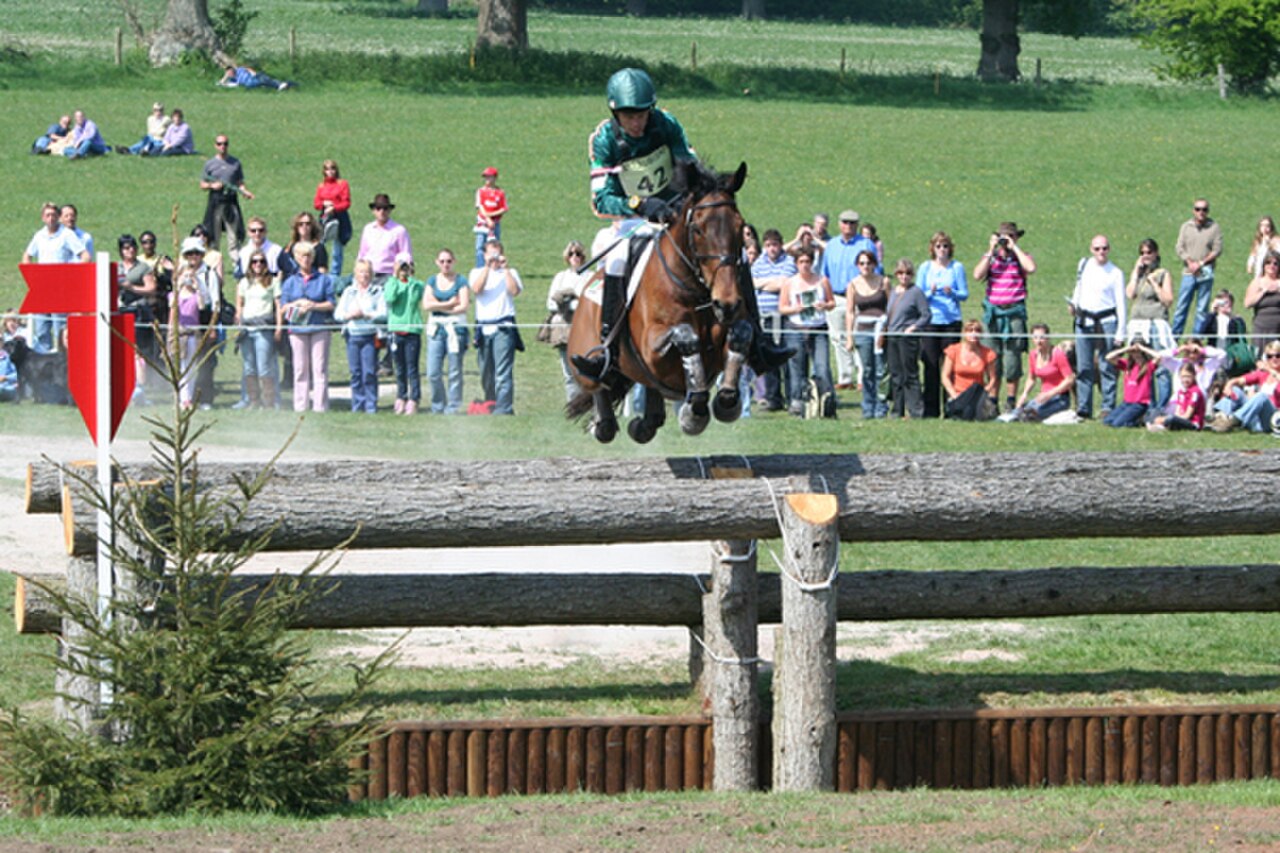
76, 699
119, 45
693, 56
293, 44
502, 24
186, 27
731, 665
1222, 82
1000, 42
843, 57
804, 677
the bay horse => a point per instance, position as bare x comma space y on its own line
685, 323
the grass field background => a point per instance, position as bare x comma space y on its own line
1099, 148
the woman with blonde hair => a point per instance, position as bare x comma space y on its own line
943, 281
332, 202
1265, 241
258, 313
562, 302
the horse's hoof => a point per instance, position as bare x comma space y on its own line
727, 407
641, 431
604, 431
691, 422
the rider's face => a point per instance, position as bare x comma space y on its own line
632, 121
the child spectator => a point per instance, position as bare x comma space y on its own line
1188, 405
1137, 361
491, 203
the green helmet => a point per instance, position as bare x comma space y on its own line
631, 89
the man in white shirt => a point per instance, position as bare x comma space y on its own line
258, 241
1098, 306
52, 244
496, 286
70, 217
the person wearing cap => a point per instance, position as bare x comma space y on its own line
491, 203
137, 287
634, 155
383, 240
840, 266
1005, 268
403, 293
153, 139
196, 297
223, 178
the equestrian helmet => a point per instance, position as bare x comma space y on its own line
631, 89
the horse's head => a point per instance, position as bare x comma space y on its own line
713, 231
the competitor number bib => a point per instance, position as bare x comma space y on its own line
647, 175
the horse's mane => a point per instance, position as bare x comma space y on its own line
696, 178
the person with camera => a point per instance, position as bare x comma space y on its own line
1005, 268
495, 287
137, 287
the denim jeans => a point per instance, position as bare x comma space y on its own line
146, 145
447, 401
1050, 407
1254, 413
46, 331
1091, 349
497, 363
864, 340
362, 357
1191, 289
84, 149
483, 237
812, 349
405, 353
259, 353
336, 250
1126, 415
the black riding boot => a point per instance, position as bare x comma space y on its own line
765, 355
596, 365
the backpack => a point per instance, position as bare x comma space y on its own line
818, 405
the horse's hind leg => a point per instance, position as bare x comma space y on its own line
694, 412
642, 430
727, 405
604, 426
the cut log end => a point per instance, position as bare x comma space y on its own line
28, 492
815, 509
20, 603
68, 521
731, 473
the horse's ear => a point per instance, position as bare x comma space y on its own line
739, 176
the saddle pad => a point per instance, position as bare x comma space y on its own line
595, 290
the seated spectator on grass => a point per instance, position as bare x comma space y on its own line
8, 378
969, 377
245, 77
1255, 412
1188, 405
153, 139
1137, 362
362, 308
15, 337
445, 299
864, 318
768, 274
1224, 329
58, 133
178, 139
1207, 360
1048, 366
86, 140
908, 313
307, 301
803, 302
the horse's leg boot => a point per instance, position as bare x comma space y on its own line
765, 355
594, 367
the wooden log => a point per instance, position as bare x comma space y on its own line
44, 480
1260, 755
1131, 770
634, 758
517, 760
981, 754
673, 758
496, 764
524, 511
709, 759
575, 778
477, 763
886, 735
556, 767
1274, 737
942, 755
1187, 749
1000, 753
1019, 763
904, 763
729, 616
1037, 746
1242, 746
1223, 748
962, 735
1150, 750
653, 752
437, 764
846, 757
1056, 752
594, 767
77, 697
615, 760
377, 789
456, 764
403, 600
1112, 752
693, 763
1205, 735
536, 764
1093, 751
1075, 751
1170, 749
397, 765
866, 773
805, 675
359, 786
417, 753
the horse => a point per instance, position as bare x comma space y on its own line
685, 323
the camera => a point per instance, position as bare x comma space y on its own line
1002, 242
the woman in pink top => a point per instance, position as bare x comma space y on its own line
1049, 366
1138, 361
333, 200
1188, 405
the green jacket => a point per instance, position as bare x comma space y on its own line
622, 166
404, 304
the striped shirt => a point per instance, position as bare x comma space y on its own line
1006, 282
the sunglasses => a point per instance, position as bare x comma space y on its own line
576, 254
1273, 355
257, 261
257, 230
148, 242
1200, 209
1102, 248
221, 143
380, 207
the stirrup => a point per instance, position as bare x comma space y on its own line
592, 365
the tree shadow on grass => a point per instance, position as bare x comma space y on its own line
443, 698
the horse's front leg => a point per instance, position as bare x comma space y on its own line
604, 426
643, 429
727, 405
694, 412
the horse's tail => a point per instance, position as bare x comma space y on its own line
581, 403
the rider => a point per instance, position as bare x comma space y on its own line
633, 159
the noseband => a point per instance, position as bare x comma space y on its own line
693, 259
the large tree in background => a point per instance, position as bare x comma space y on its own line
503, 23
1198, 35
186, 27
1000, 42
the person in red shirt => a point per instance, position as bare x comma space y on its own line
969, 376
333, 200
491, 203
1188, 405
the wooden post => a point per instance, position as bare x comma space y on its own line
293, 44
1222, 82
1039, 78
729, 615
843, 57
937, 83
693, 56
804, 678
119, 46
76, 702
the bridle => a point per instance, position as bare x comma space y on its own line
693, 259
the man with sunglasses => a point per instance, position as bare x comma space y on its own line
223, 178
1255, 413
383, 240
1098, 306
258, 242
1199, 245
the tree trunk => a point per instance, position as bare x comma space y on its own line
503, 23
753, 10
637, 8
730, 611
186, 27
433, 7
401, 599
1000, 44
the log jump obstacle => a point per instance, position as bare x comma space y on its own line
820, 501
